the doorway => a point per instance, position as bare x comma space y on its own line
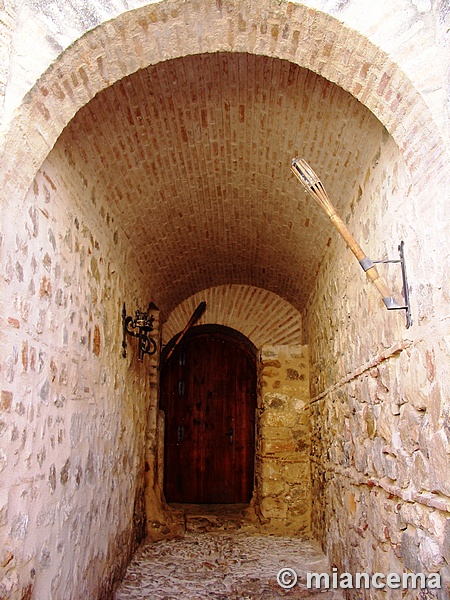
208, 394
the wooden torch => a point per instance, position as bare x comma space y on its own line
315, 188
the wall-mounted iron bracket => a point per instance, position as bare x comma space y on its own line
406, 306
139, 327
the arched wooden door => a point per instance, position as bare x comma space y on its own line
208, 393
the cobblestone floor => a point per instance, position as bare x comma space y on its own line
219, 565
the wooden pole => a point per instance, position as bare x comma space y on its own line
315, 188
194, 318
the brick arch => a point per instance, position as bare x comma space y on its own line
164, 30
262, 316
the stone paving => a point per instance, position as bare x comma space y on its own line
218, 565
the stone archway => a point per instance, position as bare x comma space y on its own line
282, 493
158, 32
262, 316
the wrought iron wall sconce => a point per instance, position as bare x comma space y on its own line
312, 184
139, 327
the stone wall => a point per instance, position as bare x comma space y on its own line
283, 483
73, 411
380, 439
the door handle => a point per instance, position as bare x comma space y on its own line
180, 433
230, 435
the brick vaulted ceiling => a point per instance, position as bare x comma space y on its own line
194, 154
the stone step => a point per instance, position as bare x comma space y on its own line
206, 518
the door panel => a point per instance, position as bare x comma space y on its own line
208, 393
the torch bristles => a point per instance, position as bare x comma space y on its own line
314, 187
311, 183
304, 172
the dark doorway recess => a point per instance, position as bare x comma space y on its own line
208, 393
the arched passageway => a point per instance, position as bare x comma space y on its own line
158, 169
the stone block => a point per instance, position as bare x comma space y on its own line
6, 400
277, 433
444, 593
404, 465
381, 559
416, 380
435, 403
301, 509
409, 427
270, 469
410, 552
278, 418
430, 554
369, 418
386, 423
377, 456
4, 505
274, 508
445, 541
439, 453
424, 435
273, 487
390, 466
350, 502
270, 373
19, 526
269, 352
297, 473
361, 459
419, 472
270, 362
302, 441
277, 447
274, 402
414, 514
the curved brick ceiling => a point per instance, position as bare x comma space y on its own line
195, 156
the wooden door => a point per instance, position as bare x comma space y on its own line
208, 393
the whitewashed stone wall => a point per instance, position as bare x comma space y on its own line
73, 411
381, 444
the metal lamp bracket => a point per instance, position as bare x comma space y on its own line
406, 307
139, 327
